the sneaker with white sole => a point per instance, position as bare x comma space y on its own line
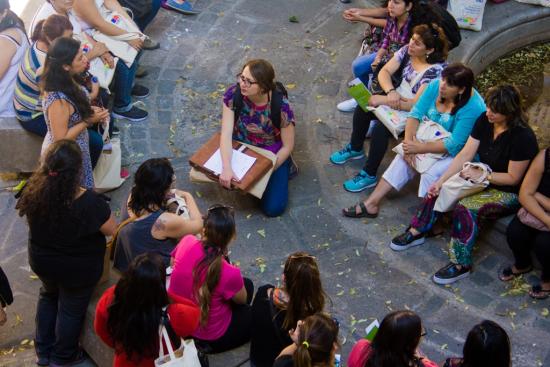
345, 154
406, 240
347, 106
360, 182
451, 273
134, 114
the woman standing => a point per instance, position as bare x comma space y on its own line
66, 103
153, 228
13, 43
254, 124
67, 228
203, 274
502, 140
128, 315
277, 310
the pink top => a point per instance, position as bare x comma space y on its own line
361, 351
187, 256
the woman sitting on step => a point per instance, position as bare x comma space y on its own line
276, 310
450, 101
150, 226
417, 64
502, 140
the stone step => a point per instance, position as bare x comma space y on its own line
20, 149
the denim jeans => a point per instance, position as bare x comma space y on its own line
96, 145
144, 21
36, 126
123, 83
362, 67
275, 196
60, 314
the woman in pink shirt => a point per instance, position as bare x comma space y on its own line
395, 344
202, 272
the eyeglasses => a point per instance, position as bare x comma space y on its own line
245, 81
423, 333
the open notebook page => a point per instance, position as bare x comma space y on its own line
240, 162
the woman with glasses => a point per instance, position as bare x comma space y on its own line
255, 125
202, 272
314, 343
150, 226
487, 344
276, 310
395, 344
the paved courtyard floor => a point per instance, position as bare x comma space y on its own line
198, 59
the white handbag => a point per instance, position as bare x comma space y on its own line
428, 131
394, 120
107, 170
185, 356
456, 187
468, 13
117, 44
177, 205
102, 72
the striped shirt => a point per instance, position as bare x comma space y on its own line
27, 91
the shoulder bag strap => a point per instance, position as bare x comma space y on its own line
112, 242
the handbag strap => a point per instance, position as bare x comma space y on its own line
112, 242
482, 166
128, 36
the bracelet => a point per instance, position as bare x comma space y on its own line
391, 90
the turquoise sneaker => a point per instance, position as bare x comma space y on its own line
344, 155
360, 182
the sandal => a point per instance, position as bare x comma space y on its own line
508, 274
351, 212
537, 292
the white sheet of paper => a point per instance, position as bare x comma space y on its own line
240, 162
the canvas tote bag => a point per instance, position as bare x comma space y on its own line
456, 187
102, 72
395, 120
117, 44
185, 356
107, 170
428, 130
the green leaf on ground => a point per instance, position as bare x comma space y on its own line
293, 19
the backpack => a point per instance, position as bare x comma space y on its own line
277, 96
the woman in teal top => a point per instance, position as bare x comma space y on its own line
452, 102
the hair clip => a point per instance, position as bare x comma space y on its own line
306, 344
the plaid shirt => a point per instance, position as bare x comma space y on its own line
392, 38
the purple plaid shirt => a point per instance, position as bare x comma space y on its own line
393, 38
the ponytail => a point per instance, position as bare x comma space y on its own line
318, 335
302, 357
212, 266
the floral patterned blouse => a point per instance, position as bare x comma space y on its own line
254, 125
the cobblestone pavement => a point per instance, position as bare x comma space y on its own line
198, 59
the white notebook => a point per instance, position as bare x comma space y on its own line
240, 163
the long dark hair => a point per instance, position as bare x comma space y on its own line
219, 230
317, 336
461, 76
433, 37
56, 79
51, 190
395, 343
304, 288
151, 183
136, 311
47, 30
506, 100
11, 20
487, 345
